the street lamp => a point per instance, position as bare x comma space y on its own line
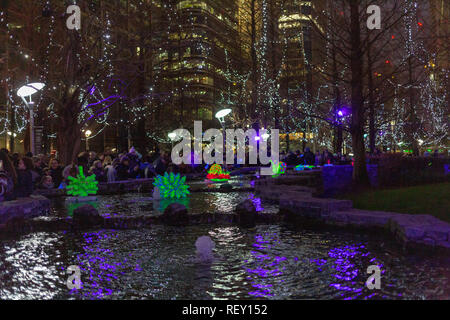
222, 114
221, 117
27, 91
88, 133
172, 136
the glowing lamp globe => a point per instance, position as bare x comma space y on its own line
172, 136
30, 89
223, 113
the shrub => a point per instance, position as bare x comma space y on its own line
399, 170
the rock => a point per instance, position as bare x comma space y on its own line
246, 213
226, 187
24, 208
175, 214
87, 216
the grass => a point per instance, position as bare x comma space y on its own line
433, 199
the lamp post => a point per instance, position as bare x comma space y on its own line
221, 117
27, 91
88, 133
172, 137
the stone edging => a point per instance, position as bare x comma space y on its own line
298, 202
23, 209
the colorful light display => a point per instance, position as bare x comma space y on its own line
217, 174
82, 186
302, 167
278, 170
172, 186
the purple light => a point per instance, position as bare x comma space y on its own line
257, 138
340, 113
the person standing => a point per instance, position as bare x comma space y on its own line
56, 171
309, 157
24, 187
8, 177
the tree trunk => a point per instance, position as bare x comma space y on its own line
68, 151
338, 132
68, 139
254, 57
412, 121
360, 176
372, 130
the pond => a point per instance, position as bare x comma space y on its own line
270, 262
135, 204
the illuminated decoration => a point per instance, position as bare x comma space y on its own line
278, 170
171, 186
30, 89
304, 167
82, 186
217, 174
223, 113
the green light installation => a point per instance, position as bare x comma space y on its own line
82, 186
304, 167
172, 186
278, 170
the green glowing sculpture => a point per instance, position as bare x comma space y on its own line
278, 169
172, 186
82, 186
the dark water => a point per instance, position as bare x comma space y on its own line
140, 204
271, 262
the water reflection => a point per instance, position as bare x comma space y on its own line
270, 262
137, 204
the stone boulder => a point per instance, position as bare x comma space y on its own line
226, 187
175, 214
246, 212
87, 216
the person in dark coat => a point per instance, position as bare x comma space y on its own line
56, 171
99, 171
8, 177
310, 158
160, 165
292, 159
123, 170
24, 187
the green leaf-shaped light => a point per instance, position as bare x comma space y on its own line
172, 186
82, 186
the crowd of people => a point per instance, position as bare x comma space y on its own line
314, 159
21, 175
